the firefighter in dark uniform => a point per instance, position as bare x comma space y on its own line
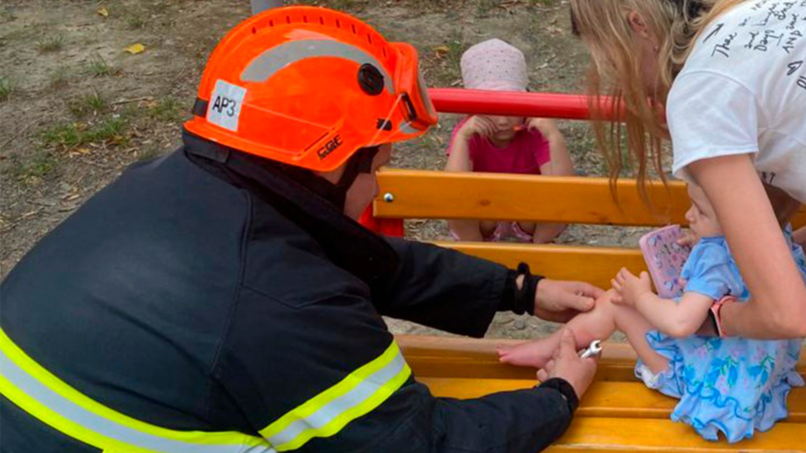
221, 299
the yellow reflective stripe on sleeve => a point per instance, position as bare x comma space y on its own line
43, 395
326, 414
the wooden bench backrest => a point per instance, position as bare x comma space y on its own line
419, 194
415, 194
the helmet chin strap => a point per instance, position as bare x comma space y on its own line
336, 194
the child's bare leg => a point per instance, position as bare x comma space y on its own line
547, 232
630, 322
467, 230
597, 324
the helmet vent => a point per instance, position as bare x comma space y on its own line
254, 30
370, 79
369, 38
321, 20
354, 32
384, 51
305, 19
338, 24
271, 23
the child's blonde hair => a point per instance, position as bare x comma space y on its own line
616, 71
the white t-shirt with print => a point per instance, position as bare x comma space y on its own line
743, 91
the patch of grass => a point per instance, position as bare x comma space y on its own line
98, 67
72, 135
110, 130
135, 22
59, 79
160, 7
342, 5
50, 44
444, 70
485, 7
167, 110
33, 169
89, 104
7, 16
6, 88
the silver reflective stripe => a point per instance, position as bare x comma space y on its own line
108, 428
270, 61
340, 405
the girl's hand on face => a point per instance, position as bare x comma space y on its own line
478, 125
630, 288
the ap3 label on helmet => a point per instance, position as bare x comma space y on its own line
224, 109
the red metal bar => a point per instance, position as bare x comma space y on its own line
513, 103
507, 103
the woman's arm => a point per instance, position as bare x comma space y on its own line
676, 319
778, 305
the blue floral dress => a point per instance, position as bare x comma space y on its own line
733, 385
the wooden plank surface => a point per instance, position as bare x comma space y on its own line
615, 415
594, 435
595, 265
604, 399
451, 357
421, 194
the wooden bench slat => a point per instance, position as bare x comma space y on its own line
595, 265
604, 399
592, 435
435, 194
422, 194
447, 357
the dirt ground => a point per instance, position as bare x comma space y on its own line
77, 109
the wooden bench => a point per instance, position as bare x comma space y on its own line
619, 413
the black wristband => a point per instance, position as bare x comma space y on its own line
525, 295
520, 300
567, 391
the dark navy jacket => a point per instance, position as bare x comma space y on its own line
206, 291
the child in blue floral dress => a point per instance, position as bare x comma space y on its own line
731, 385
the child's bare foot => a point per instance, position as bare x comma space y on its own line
536, 354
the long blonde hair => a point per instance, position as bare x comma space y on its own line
616, 72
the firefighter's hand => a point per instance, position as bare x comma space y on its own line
567, 365
560, 301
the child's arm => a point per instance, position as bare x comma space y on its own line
560, 164
459, 161
459, 152
676, 319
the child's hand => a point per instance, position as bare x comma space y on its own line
630, 288
545, 126
477, 125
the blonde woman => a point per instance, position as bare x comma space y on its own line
731, 77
